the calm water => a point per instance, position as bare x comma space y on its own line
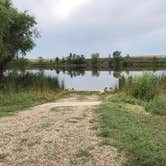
91, 80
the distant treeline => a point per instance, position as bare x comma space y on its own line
114, 61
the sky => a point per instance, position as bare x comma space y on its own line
135, 27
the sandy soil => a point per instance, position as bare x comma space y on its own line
56, 134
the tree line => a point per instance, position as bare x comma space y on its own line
114, 60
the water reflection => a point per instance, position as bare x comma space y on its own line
16, 81
78, 79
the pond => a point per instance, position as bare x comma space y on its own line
90, 80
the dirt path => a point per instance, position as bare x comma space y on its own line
55, 134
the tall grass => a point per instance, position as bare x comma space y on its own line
145, 87
147, 90
12, 102
23, 90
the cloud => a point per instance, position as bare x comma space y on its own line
86, 26
50, 12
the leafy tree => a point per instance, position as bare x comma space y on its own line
94, 59
57, 60
69, 58
63, 60
80, 59
75, 59
117, 58
83, 59
17, 31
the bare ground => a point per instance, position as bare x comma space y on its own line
56, 134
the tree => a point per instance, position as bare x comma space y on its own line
94, 59
57, 60
117, 58
63, 60
17, 31
69, 58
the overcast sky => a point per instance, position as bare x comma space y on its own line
137, 27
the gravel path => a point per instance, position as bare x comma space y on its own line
56, 134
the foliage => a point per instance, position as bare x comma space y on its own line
94, 59
157, 105
144, 87
21, 63
116, 54
75, 59
16, 33
23, 90
117, 58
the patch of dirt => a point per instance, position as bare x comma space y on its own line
55, 134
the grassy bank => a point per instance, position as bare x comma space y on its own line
131, 129
134, 121
12, 102
21, 91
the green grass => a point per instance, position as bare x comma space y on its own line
12, 102
141, 135
19, 91
157, 105
128, 99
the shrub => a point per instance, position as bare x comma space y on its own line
144, 87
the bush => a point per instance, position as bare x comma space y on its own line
157, 105
144, 87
